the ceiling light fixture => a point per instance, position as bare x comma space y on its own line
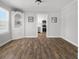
38, 1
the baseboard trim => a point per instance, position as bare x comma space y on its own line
64, 39
17, 38
70, 41
30, 36
5, 43
36, 37
53, 36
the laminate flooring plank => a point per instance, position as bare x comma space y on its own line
39, 48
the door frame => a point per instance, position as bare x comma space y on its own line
45, 14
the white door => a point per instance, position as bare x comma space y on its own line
17, 25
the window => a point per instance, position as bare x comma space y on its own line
4, 21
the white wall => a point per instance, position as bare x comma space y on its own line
4, 38
30, 27
53, 29
69, 23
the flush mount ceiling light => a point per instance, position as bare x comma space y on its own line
38, 1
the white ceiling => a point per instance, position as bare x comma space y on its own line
30, 5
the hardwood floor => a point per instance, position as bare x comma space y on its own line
38, 48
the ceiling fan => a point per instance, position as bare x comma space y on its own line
38, 1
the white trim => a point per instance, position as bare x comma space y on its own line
30, 36
47, 25
24, 37
16, 38
53, 36
36, 19
5, 43
70, 41
64, 39
36, 37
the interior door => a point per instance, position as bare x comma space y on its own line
17, 25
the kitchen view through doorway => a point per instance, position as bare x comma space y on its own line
42, 25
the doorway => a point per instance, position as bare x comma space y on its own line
42, 24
